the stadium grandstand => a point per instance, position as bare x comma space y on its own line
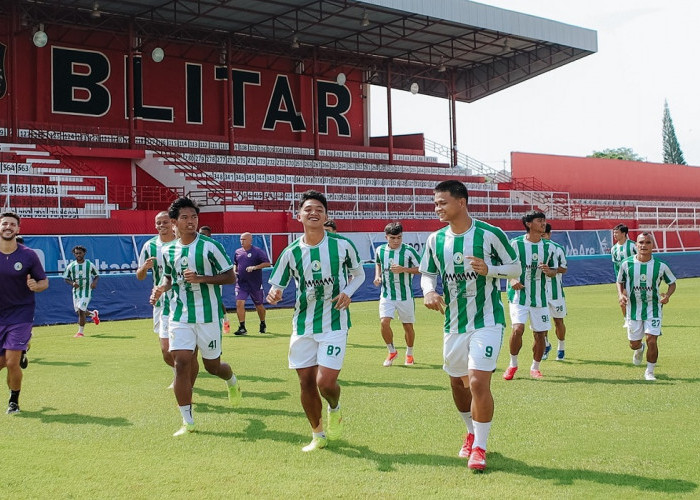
110, 110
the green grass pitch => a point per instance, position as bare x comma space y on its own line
97, 419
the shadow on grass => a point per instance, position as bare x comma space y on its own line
393, 385
385, 462
40, 361
105, 336
73, 418
225, 408
365, 346
249, 378
498, 462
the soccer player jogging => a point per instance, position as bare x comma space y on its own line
327, 270
556, 298
470, 256
193, 268
248, 263
528, 295
82, 275
395, 265
21, 275
151, 257
639, 291
624, 248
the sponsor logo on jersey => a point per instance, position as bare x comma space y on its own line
472, 275
18, 266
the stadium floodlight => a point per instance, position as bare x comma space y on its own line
414, 88
365, 19
340, 79
295, 42
40, 38
95, 12
158, 54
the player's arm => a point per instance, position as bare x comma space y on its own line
671, 290
95, 279
37, 286
142, 271
431, 299
357, 277
377, 274
165, 284
260, 266
621, 293
224, 278
401, 269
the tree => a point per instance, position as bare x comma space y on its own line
617, 154
672, 150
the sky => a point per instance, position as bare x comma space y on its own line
647, 52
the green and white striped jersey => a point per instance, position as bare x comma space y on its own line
154, 248
83, 274
620, 252
642, 281
195, 302
396, 286
320, 273
530, 255
554, 284
473, 301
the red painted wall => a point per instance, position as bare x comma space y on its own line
596, 177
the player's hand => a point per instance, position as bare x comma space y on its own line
93, 285
191, 276
76, 284
479, 265
623, 300
155, 294
377, 281
434, 301
341, 301
516, 285
274, 296
395, 268
31, 283
150, 262
548, 271
664, 299
250, 269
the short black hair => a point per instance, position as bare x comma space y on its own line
79, 247
204, 228
622, 228
313, 195
19, 238
548, 228
393, 228
532, 215
330, 223
10, 214
179, 204
456, 189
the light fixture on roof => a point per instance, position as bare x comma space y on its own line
95, 12
295, 42
414, 88
340, 79
365, 19
158, 54
506, 47
40, 38
441, 66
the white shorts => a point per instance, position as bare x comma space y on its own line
539, 316
406, 309
636, 329
477, 350
81, 303
160, 322
188, 336
557, 308
325, 349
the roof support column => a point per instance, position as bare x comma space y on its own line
12, 64
453, 119
389, 127
130, 86
314, 106
229, 97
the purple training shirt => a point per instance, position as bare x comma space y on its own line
243, 259
16, 299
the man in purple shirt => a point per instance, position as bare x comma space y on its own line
248, 263
21, 275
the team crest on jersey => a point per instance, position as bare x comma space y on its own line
391, 262
643, 277
18, 266
250, 254
184, 262
458, 258
535, 256
316, 265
